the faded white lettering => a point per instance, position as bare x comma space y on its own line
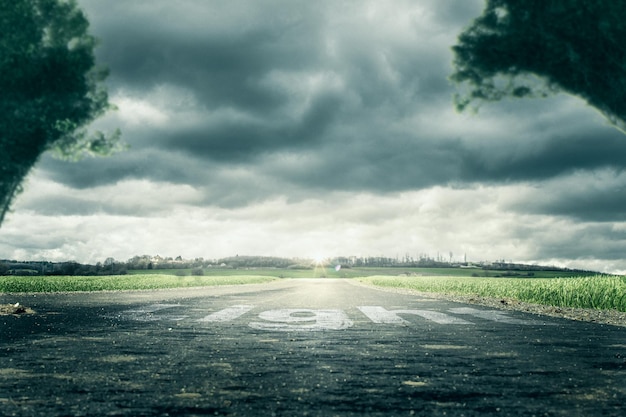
493, 315
381, 315
286, 320
303, 319
147, 313
227, 314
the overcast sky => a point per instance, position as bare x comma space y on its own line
319, 128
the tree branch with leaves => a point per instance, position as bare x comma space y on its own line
50, 89
535, 48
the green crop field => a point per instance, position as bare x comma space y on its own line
15, 284
598, 292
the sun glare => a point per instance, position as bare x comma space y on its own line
319, 259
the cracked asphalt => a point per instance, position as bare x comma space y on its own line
306, 347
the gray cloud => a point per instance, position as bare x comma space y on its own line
333, 80
307, 78
584, 243
379, 162
597, 197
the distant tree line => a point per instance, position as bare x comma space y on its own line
198, 265
25, 268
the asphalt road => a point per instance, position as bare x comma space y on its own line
316, 347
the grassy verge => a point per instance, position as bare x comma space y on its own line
119, 282
598, 292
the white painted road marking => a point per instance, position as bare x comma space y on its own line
228, 314
303, 319
492, 315
381, 315
147, 313
286, 320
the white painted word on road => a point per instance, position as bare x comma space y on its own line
227, 314
303, 319
380, 315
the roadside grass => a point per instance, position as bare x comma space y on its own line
21, 284
597, 292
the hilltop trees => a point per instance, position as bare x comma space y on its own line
534, 48
50, 89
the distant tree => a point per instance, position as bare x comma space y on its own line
69, 268
50, 89
534, 48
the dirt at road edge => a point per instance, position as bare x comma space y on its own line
14, 310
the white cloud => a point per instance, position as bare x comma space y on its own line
135, 111
156, 108
466, 222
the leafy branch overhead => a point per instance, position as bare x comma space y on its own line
535, 48
51, 89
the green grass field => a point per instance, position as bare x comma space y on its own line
598, 292
120, 282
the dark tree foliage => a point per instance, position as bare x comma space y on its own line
50, 89
521, 48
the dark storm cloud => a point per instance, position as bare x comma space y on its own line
401, 163
234, 140
234, 68
66, 205
599, 197
299, 77
223, 65
586, 243
456, 13
586, 205
222, 74
391, 164
325, 80
545, 158
96, 172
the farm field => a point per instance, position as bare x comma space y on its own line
596, 292
16, 284
544, 287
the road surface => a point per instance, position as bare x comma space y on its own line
301, 347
